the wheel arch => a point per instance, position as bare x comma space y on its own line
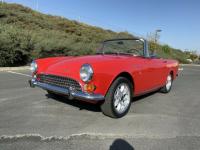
126, 75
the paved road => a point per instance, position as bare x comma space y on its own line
30, 119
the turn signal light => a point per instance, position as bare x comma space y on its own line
89, 87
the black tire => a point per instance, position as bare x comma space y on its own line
164, 89
108, 107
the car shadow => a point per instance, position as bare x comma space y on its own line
83, 105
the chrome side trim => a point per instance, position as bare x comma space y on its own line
65, 91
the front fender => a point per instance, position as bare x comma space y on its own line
103, 78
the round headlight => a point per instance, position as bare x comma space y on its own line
34, 66
86, 73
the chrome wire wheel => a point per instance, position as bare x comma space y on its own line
122, 98
169, 82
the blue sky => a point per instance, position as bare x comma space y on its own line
178, 19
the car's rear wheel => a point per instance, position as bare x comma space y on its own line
168, 85
118, 98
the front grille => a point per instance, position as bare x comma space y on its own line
59, 81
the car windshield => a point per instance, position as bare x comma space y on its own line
133, 47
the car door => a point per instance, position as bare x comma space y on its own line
146, 75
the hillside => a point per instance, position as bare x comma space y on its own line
26, 34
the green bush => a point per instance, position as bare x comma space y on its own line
15, 46
166, 49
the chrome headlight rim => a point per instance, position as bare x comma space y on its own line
86, 73
33, 67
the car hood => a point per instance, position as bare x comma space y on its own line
72, 65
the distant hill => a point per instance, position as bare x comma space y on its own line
26, 34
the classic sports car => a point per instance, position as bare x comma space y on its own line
122, 69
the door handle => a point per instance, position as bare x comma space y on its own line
165, 61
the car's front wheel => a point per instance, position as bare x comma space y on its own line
118, 98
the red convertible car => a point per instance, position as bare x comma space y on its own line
122, 69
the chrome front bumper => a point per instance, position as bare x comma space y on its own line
65, 91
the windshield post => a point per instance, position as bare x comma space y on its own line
146, 48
